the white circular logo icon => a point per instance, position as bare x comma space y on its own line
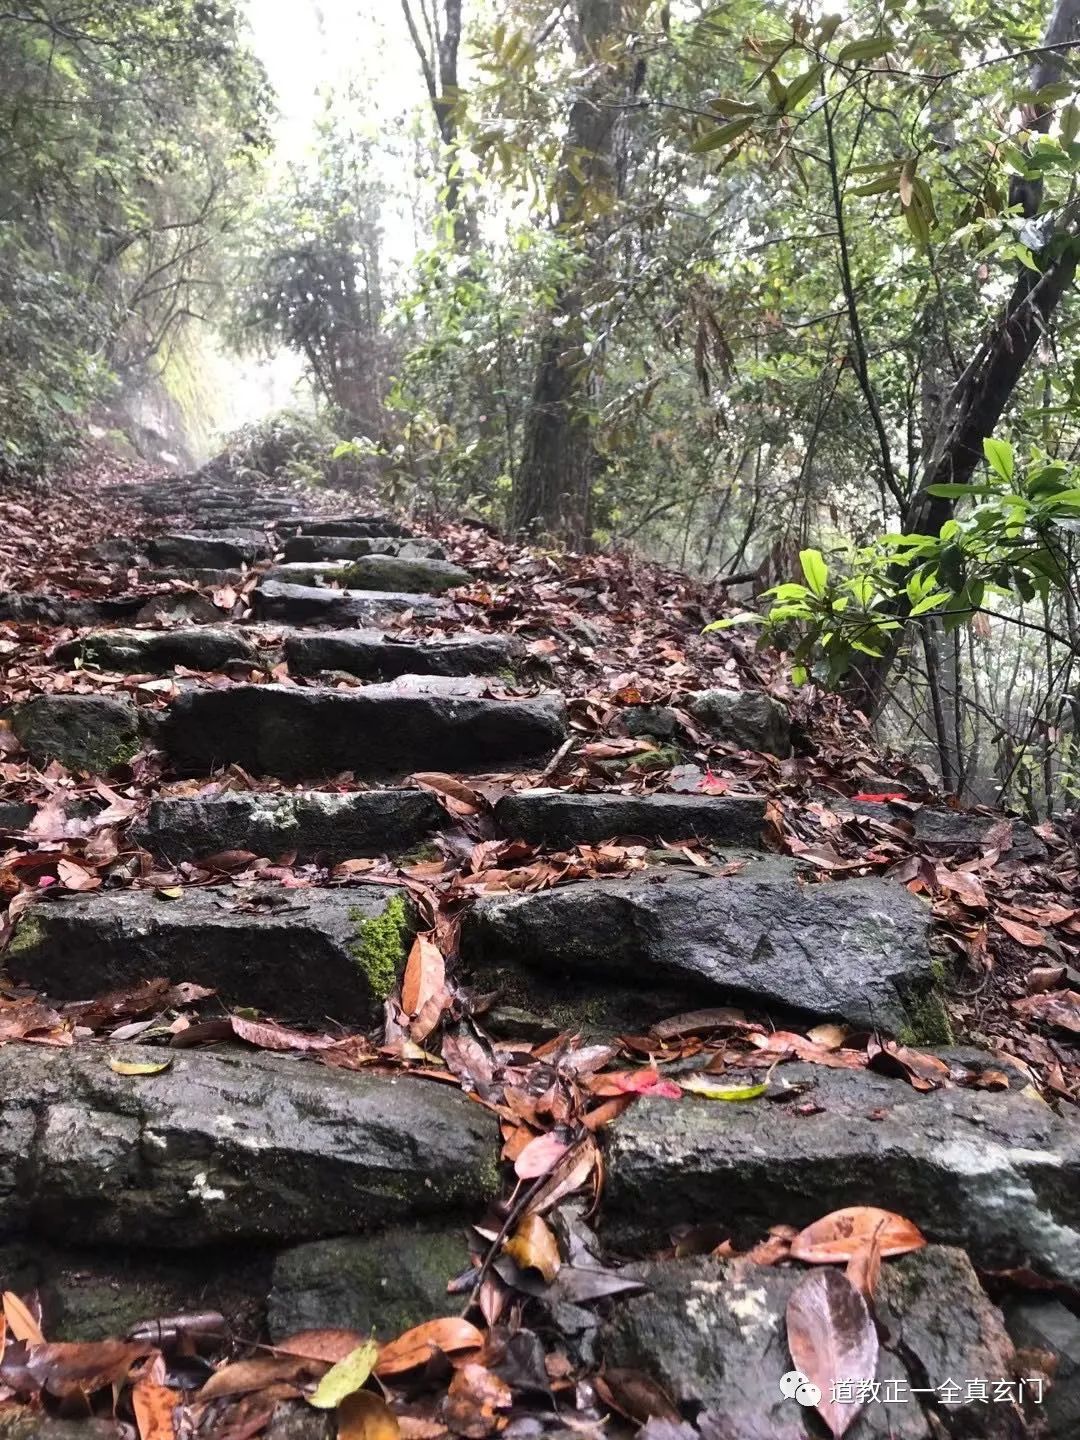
797, 1386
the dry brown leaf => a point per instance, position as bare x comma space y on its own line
534, 1247
20, 1320
844, 1234
329, 1346
425, 975
831, 1336
256, 1374
363, 1415
154, 1403
474, 1400
416, 1347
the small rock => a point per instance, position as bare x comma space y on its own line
220, 550
373, 656
749, 719
657, 721
142, 651
315, 605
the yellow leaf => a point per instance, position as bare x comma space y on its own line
366, 1416
708, 1090
534, 1247
138, 1067
20, 1321
345, 1377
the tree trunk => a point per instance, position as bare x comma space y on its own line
553, 483
437, 50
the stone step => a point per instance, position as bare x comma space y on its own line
377, 572
195, 549
137, 652
372, 655
93, 733
563, 817
204, 579
997, 1172
312, 605
357, 526
947, 832
327, 824
308, 549
623, 953
306, 956
229, 1147
52, 609
377, 732
712, 1335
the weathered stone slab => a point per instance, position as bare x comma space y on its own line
997, 1172
713, 1335
949, 832
201, 550
627, 951
94, 733
1040, 1323
375, 732
323, 823
309, 548
142, 651
314, 605
385, 1283
178, 607
747, 718
399, 573
228, 1147
372, 655
299, 955
356, 526
562, 817
26, 609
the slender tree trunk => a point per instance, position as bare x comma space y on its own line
553, 484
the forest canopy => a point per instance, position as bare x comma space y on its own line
777, 294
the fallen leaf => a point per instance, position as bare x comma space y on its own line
831, 1337
1055, 1007
83, 1368
345, 1377
1023, 934
366, 1416
709, 1090
635, 1395
154, 1403
534, 1247
416, 1346
138, 1067
473, 1401
539, 1156
425, 975
329, 1346
20, 1320
268, 1035
843, 1234
256, 1374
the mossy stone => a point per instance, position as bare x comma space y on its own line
381, 945
92, 733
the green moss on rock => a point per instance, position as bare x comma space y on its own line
29, 933
381, 945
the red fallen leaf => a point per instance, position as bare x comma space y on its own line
639, 1398
473, 1401
881, 796
76, 877
154, 1403
864, 1268
268, 1035
329, 1346
257, 1373
1023, 934
843, 1234
228, 861
1060, 1008
646, 1081
425, 975
416, 1347
82, 1369
539, 1156
831, 1336
922, 1072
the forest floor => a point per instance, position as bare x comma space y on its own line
689, 986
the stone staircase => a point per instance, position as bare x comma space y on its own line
278, 1160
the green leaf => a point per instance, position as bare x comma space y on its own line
710, 1090
961, 492
871, 49
1063, 497
999, 456
815, 570
345, 1377
745, 617
714, 139
799, 675
801, 86
931, 602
